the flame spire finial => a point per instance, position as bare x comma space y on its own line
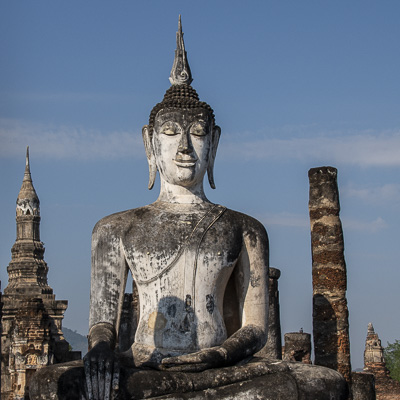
180, 73
27, 174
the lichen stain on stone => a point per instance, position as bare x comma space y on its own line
253, 238
157, 321
254, 279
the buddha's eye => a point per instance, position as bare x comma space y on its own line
169, 128
198, 129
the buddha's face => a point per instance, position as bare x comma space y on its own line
182, 144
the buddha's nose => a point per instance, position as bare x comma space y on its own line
185, 144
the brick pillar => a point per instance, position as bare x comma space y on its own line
330, 313
273, 347
1, 333
129, 319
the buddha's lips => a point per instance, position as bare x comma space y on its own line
183, 162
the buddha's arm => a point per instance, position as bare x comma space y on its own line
108, 276
108, 280
251, 276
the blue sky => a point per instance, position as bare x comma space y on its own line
294, 85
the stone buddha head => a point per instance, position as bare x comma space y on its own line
181, 138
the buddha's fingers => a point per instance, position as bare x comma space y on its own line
107, 380
95, 382
198, 367
115, 380
199, 361
101, 379
88, 386
181, 360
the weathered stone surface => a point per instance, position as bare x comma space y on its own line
31, 335
363, 386
298, 347
330, 312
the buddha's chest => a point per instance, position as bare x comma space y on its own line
182, 253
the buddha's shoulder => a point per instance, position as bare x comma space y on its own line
122, 220
144, 218
244, 222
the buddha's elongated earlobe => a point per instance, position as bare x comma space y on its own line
150, 156
216, 133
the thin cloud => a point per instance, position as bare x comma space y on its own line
374, 195
285, 219
290, 220
67, 142
366, 149
362, 149
365, 226
64, 97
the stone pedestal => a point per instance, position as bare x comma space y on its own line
298, 347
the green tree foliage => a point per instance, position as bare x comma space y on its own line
392, 358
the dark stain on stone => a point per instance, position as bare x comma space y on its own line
171, 310
210, 303
185, 325
253, 238
188, 303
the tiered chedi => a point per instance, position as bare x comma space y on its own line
32, 318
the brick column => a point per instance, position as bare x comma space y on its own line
274, 341
273, 347
330, 313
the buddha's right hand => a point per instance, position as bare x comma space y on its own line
101, 366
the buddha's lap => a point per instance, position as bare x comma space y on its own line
268, 378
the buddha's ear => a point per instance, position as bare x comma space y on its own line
148, 145
216, 133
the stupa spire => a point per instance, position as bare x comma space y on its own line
27, 271
370, 328
180, 73
27, 202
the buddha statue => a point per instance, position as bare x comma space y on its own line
201, 272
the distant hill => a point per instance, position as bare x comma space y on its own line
77, 341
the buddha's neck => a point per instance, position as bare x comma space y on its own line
170, 193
